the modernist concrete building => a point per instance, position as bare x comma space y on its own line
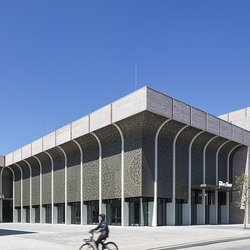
146, 159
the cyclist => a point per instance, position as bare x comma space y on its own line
102, 228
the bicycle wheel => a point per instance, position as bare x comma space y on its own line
111, 246
87, 246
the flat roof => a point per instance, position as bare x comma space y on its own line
143, 99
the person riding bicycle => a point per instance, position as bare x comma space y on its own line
102, 228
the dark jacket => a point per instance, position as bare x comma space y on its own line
104, 229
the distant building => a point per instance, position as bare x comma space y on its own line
146, 159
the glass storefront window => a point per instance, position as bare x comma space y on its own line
140, 211
113, 211
60, 213
48, 213
92, 211
75, 212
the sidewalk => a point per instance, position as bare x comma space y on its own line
69, 237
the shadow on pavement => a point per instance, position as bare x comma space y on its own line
5, 232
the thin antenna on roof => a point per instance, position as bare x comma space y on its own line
136, 76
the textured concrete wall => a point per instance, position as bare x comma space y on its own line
226, 130
17, 155
49, 141
26, 151
197, 157
2, 161
80, 127
59, 175
150, 126
165, 158
73, 171
129, 105
63, 135
198, 119
211, 160
159, 103
9, 159
37, 146
111, 162
100, 118
35, 181
182, 148
46, 178
17, 186
90, 167
181, 112
132, 129
26, 183
213, 124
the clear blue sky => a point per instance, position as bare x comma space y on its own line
60, 60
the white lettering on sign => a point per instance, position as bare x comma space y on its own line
225, 184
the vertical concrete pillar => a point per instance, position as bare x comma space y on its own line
190, 177
85, 214
204, 181
40, 190
122, 174
81, 182
68, 215
55, 213
13, 195
65, 184
217, 180
30, 189
42, 215
100, 172
52, 188
174, 178
126, 214
154, 216
22, 212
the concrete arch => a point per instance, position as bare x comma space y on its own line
13, 192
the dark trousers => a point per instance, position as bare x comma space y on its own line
100, 239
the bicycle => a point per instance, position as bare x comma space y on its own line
90, 244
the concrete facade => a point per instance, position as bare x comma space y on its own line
145, 159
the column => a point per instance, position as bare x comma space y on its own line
174, 178
217, 180
52, 187
100, 172
81, 184
122, 174
154, 217
30, 191
22, 212
190, 177
203, 219
42, 220
66, 187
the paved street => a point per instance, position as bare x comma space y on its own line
35, 236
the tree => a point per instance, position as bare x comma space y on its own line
242, 185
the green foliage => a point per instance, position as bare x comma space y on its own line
241, 185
